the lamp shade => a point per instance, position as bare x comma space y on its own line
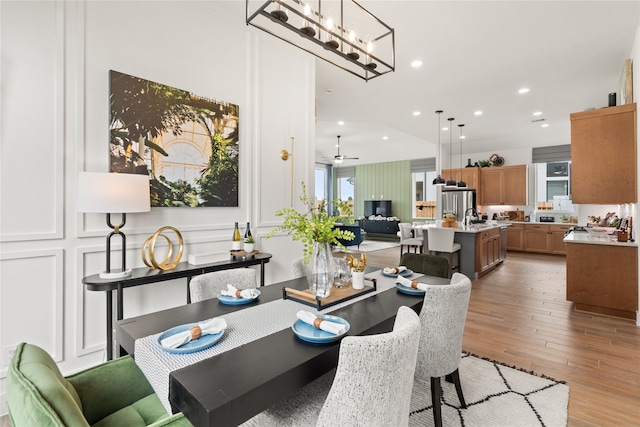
103, 192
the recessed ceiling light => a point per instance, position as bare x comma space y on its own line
416, 113
417, 63
445, 128
340, 123
523, 90
463, 136
545, 125
477, 113
537, 113
385, 137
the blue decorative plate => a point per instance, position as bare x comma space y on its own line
309, 333
404, 273
236, 301
409, 291
204, 342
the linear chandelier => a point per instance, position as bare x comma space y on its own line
341, 32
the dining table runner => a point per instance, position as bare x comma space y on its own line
243, 326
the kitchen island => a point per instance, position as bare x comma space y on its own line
483, 247
602, 274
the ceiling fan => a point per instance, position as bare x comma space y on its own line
339, 158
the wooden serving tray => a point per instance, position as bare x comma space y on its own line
337, 295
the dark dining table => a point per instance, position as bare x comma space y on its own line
235, 385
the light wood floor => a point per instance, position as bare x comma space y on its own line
518, 315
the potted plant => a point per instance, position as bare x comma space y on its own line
315, 229
564, 218
249, 244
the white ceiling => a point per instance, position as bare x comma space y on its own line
476, 55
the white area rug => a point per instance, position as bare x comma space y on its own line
373, 245
496, 395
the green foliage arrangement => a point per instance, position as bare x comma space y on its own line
313, 225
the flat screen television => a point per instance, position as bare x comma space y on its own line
377, 207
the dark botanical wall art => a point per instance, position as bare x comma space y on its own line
187, 144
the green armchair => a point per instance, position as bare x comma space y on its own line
115, 393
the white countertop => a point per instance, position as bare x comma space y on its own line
606, 239
472, 229
544, 223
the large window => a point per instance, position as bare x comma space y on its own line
424, 195
345, 188
321, 184
346, 193
554, 186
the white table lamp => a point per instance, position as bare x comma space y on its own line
109, 193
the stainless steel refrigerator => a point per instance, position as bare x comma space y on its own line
459, 202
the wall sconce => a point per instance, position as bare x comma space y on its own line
113, 193
284, 155
329, 34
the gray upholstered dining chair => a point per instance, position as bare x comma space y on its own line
407, 239
442, 317
440, 239
431, 265
209, 285
371, 387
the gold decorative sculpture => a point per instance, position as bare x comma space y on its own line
150, 243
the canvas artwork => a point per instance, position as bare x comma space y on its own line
187, 144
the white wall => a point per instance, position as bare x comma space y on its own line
633, 209
54, 116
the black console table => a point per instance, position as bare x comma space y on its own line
379, 226
145, 276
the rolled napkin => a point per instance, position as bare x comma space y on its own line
394, 270
211, 326
232, 291
411, 283
319, 323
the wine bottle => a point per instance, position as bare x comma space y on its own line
247, 232
236, 243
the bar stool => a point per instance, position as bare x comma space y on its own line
407, 240
441, 240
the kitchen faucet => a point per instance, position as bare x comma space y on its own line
474, 213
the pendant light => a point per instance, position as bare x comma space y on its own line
450, 182
461, 183
439, 180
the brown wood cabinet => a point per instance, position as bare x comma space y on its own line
603, 278
556, 244
536, 237
603, 155
541, 238
515, 237
489, 249
471, 176
504, 185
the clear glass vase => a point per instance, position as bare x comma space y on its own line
321, 270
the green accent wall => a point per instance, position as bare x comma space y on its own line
391, 180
